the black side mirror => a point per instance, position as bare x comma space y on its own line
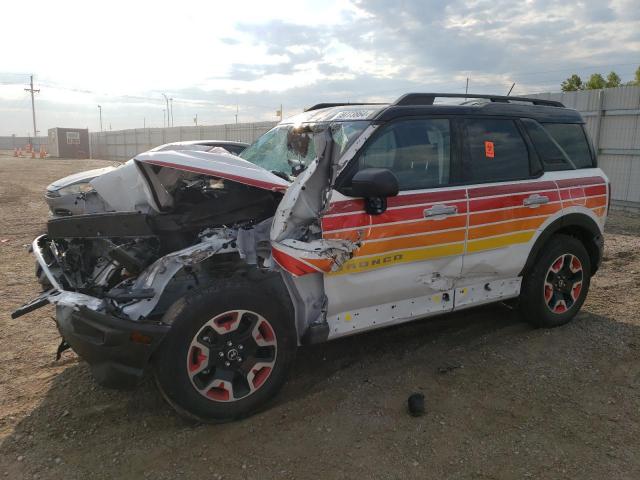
375, 185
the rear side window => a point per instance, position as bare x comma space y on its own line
495, 151
550, 152
572, 139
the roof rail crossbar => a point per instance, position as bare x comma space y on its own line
429, 98
318, 106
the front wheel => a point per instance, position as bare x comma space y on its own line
556, 287
228, 352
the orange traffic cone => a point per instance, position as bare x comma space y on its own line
19, 152
42, 152
15, 152
33, 153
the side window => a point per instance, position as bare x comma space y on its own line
573, 140
550, 152
417, 151
495, 151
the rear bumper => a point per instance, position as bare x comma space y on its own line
117, 350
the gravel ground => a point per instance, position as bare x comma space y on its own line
503, 400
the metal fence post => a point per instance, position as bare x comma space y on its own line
596, 140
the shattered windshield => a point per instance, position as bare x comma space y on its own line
287, 149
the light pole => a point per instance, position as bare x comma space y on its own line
100, 110
171, 105
166, 99
163, 116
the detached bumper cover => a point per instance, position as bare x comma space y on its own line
117, 350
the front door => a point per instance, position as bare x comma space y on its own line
409, 258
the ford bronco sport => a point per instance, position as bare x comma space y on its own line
214, 268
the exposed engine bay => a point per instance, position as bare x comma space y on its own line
193, 216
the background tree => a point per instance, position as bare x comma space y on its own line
636, 80
596, 82
572, 84
613, 80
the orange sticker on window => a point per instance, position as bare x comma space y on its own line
488, 149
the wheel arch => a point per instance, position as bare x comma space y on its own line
577, 225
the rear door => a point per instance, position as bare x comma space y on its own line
510, 202
410, 256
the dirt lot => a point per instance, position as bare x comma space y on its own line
503, 400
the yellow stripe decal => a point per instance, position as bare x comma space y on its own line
499, 242
362, 264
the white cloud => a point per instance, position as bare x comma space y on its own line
211, 55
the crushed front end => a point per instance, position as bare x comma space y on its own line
113, 275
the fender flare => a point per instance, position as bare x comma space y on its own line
577, 224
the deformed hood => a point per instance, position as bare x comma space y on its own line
80, 177
221, 165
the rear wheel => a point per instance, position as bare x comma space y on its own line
555, 288
228, 352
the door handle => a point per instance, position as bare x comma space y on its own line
440, 210
535, 200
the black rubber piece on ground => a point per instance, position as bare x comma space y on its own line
415, 403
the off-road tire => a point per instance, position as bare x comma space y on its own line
535, 303
189, 315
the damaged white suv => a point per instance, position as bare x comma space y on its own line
212, 269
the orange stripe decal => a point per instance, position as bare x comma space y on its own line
432, 239
507, 227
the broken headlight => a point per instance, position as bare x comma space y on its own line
76, 188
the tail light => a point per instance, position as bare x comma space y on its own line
608, 197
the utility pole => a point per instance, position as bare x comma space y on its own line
236, 113
33, 105
195, 119
100, 109
466, 90
163, 118
166, 99
171, 103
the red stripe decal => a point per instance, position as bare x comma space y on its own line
510, 188
228, 176
580, 182
595, 190
357, 205
365, 220
346, 206
291, 264
508, 201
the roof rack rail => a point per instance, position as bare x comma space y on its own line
318, 106
428, 99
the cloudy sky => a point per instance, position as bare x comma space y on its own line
215, 56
